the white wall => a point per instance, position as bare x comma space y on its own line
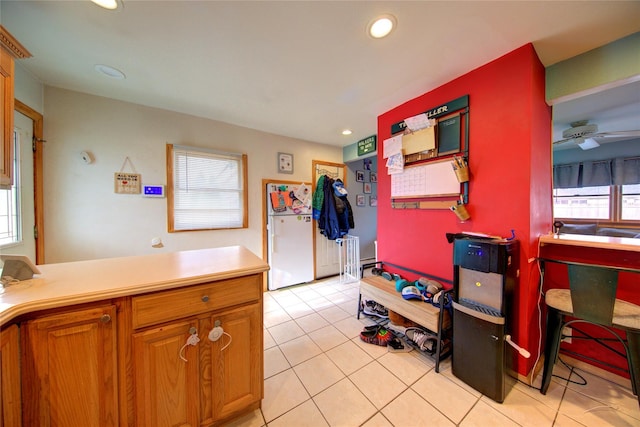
85, 219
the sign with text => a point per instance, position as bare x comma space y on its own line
367, 145
441, 110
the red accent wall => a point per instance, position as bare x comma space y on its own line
510, 187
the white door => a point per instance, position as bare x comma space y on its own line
327, 256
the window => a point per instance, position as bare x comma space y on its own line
605, 190
206, 189
630, 209
10, 203
581, 203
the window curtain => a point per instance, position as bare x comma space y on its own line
626, 171
566, 176
619, 171
595, 174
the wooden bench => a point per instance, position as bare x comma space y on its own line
384, 292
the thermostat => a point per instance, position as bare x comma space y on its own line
153, 190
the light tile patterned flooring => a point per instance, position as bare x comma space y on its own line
318, 372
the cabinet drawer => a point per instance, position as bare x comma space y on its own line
165, 306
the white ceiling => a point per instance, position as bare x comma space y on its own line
303, 69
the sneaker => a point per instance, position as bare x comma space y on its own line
378, 336
423, 340
372, 308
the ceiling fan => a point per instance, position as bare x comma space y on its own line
582, 133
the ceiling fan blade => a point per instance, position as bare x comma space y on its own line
617, 134
562, 141
588, 143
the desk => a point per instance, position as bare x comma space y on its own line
588, 241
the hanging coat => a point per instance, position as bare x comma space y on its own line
328, 221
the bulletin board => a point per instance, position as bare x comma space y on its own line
432, 171
433, 179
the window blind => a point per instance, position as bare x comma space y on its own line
208, 189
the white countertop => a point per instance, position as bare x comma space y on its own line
589, 241
64, 284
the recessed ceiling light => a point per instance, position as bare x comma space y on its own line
107, 4
110, 72
381, 26
347, 132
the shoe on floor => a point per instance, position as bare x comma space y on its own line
372, 308
422, 339
398, 345
378, 336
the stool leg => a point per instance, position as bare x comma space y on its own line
551, 347
359, 305
633, 343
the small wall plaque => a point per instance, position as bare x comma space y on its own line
285, 163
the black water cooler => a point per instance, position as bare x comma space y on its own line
485, 273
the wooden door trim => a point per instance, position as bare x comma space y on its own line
38, 181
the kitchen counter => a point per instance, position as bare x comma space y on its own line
70, 283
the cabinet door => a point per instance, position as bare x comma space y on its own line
6, 118
237, 362
69, 370
10, 409
166, 386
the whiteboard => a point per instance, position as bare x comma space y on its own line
436, 178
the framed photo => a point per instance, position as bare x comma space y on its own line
373, 200
367, 188
374, 177
360, 200
285, 163
360, 176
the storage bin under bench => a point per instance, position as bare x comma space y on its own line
384, 292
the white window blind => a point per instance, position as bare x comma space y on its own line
208, 189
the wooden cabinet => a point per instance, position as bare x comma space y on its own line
69, 368
6, 121
219, 379
233, 382
166, 376
9, 49
10, 384
129, 361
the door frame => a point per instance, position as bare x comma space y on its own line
265, 213
38, 181
319, 168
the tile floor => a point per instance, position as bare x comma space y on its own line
317, 372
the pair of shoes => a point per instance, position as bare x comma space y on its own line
378, 335
372, 308
422, 339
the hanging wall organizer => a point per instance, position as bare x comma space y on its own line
433, 172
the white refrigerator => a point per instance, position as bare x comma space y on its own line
290, 231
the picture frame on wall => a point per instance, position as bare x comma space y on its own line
373, 201
374, 177
285, 163
367, 188
360, 200
360, 176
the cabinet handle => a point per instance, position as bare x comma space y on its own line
205, 298
105, 318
